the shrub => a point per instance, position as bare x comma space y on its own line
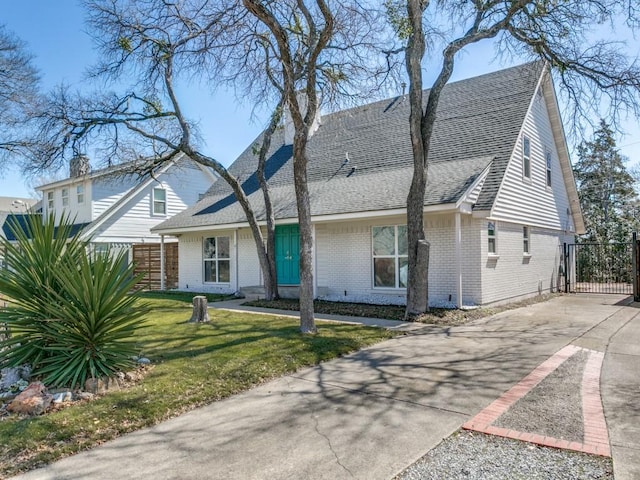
71, 314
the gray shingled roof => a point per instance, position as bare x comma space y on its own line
478, 123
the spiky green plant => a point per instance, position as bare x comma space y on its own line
71, 315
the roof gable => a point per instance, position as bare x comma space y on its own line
478, 122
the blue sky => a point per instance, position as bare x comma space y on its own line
55, 34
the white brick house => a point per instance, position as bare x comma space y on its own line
500, 201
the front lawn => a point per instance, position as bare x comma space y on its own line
194, 364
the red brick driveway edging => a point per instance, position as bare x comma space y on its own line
596, 437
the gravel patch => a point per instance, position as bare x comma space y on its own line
475, 456
554, 407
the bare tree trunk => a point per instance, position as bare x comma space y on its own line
307, 320
200, 310
270, 286
418, 274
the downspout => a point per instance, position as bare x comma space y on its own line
458, 254
162, 266
315, 262
237, 268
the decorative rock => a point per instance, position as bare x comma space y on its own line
12, 375
63, 397
34, 400
143, 361
85, 396
101, 385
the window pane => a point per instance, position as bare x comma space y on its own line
527, 168
403, 263
209, 248
223, 247
210, 271
384, 241
402, 240
492, 245
159, 194
491, 229
158, 207
384, 270
526, 146
224, 271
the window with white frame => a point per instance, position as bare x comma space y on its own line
548, 155
50, 201
526, 158
65, 197
217, 263
390, 256
80, 194
159, 201
491, 238
526, 245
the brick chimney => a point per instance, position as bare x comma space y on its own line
289, 129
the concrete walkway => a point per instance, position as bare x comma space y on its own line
371, 414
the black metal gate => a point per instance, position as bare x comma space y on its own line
602, 267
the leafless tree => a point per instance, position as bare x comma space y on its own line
591, 71
317, 46
18, 91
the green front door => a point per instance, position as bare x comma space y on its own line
288, 254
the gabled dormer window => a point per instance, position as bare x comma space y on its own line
65, 197
159, 201
526, 158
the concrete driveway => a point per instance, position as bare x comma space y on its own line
371, 414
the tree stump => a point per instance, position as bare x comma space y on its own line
200, 311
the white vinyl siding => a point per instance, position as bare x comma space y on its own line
534, 203
134, 218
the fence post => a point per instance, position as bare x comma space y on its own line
634, 261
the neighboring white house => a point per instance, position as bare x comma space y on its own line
118, 210
500, 201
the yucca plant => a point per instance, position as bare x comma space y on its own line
71, 314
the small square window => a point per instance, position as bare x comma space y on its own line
491, 236
526, 158
159, 201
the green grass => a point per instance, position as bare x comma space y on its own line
435, 316
194, 364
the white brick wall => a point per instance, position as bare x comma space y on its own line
345, 263
190, 263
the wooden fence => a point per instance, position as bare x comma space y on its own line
146, 258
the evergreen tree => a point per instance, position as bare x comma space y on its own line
605, 189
